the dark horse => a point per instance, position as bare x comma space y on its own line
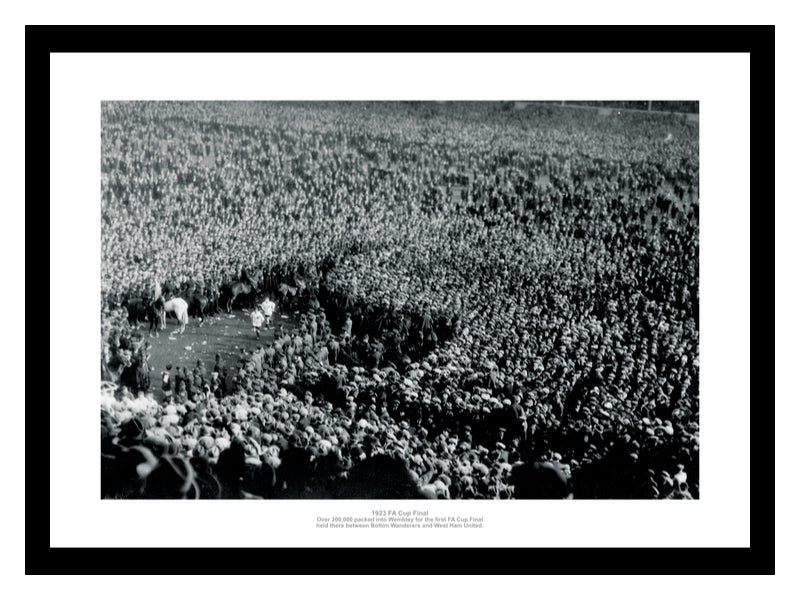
234, 289
137, 310
198, 306
155, 314
140, 310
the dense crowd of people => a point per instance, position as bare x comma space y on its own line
494, 303
668, 106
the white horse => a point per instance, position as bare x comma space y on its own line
181, 309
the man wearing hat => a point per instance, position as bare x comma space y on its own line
257, 358
347, 329
333, 348
166, 383
519, 416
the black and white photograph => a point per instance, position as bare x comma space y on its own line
356, 278
435, 300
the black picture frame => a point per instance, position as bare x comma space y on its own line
757, 559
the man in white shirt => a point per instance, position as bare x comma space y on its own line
257, 318
268, 306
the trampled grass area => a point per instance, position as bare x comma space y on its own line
226, 335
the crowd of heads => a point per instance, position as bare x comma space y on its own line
495, 303
686, 107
